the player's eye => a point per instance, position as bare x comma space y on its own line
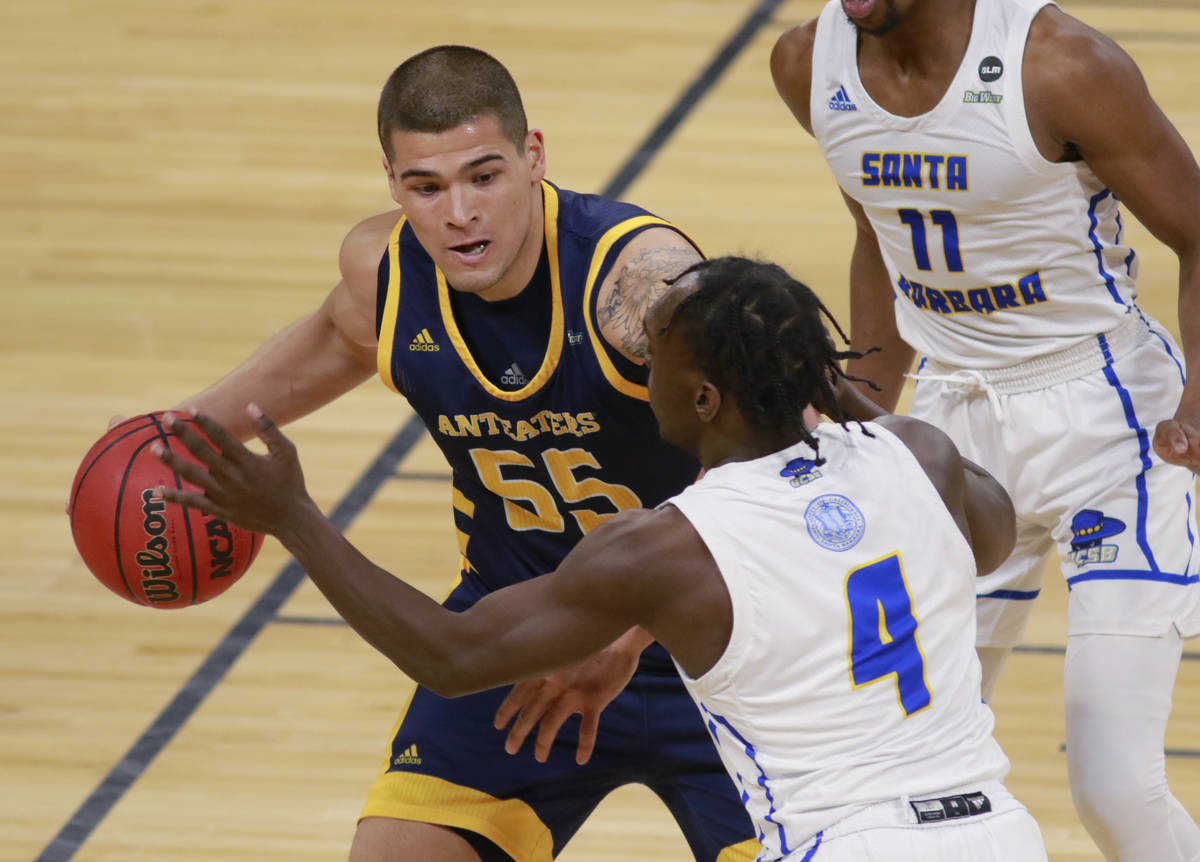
485, 178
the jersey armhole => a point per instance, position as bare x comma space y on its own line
1014, 103
738, 585
823, 40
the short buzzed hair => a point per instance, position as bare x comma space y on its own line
441, 88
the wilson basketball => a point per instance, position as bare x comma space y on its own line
146, 550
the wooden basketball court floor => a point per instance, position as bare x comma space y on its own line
176, 178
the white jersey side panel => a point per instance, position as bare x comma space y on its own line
850, 676
995, 255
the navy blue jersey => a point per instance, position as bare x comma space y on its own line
541, 455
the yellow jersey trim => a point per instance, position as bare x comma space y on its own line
603, 247
512, 825
745, 851
553, 349
391, 307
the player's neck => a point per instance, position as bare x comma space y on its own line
525, 264
733, 440
930, 37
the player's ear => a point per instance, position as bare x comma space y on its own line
535, 154
391, 178
708, 401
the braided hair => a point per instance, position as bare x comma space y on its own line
757, 333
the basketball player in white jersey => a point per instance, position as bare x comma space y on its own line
982, 146
815, 588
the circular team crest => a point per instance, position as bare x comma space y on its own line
834, 522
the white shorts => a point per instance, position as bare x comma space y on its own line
1069, 436
892, 832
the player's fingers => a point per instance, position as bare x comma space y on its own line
511, 704
528, 718
225, 442
548, 729
188, 470
115, 421
193, 442
588, 730
268, 431
190, 499
1169, 437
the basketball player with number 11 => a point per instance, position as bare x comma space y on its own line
982, 147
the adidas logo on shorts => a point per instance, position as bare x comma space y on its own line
424, 341
409, 755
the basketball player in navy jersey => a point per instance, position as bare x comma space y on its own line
509, 313
815, 588
982, 147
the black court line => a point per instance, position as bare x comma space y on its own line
122, 776
1057, 650
666, 127
1169, 752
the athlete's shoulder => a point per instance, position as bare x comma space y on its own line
365, 244
591, 215
932, 447
1065, 57
791, 69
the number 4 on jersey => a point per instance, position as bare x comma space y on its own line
883, 632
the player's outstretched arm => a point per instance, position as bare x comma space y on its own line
317, 358
979, 504
633, 570
1135, 150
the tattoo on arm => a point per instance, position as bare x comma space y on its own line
638, 286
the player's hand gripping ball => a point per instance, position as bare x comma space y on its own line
143, 549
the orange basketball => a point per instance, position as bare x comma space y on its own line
146, 550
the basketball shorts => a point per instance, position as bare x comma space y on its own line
982, 824
446, 764
1069, 436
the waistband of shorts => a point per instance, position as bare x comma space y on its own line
903, 811
1051, 369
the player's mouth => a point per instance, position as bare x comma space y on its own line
857, 10
469, 252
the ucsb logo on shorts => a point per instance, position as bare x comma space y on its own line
1089, 529
834, 522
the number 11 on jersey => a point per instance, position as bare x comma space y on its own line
883, 632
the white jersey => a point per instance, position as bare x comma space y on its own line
850, 676
995, 254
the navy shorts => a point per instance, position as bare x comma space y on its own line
446, 764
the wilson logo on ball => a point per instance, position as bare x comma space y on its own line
144, 549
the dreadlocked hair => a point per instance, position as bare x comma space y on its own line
757, 333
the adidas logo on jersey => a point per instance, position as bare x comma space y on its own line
424, 341
841, 101
514, 376
409, 755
